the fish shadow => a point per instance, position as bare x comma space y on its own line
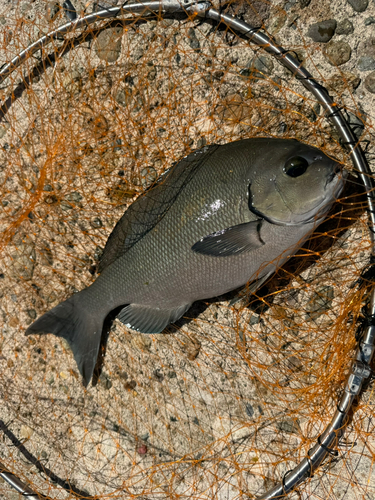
340, 219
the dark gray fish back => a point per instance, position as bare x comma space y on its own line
152, 206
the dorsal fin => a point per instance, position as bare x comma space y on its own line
151, 206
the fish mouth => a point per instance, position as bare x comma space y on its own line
339, 176
334, 185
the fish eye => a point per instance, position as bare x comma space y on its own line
295, 167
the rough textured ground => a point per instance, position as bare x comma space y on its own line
224, 403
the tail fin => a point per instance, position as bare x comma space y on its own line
82, 328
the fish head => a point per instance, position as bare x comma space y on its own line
298, 186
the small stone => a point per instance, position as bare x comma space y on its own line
31, 313
98, 253
64, 375
288, 425
255, 319
319, 302
260, 66
277, 22
151, 75
75, 197
124, 97
65, 205
105, 381
366, 63
294, 363
148, 176
108, 44
130, 385
193, 40
52, 297
25, 8
358, 5
344, 27
23, 261
339, 82
367, 47
202, 141
50, 200
370, 20
322, 31
249, 410
52, 9
289, 4
96, 223
142, 450
47, 187
255, 12
138, 53
158, 375
337, 53
72, 81
370, 82
192, 348
304, 3
26, 432
8, 36
45, 254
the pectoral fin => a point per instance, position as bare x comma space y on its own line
231, 241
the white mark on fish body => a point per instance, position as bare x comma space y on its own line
211, 209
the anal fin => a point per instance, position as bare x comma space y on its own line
147, 319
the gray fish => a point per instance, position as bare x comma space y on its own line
222, 216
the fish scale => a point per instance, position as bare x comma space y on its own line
219, 218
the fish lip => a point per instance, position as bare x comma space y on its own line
337, 174
339, 180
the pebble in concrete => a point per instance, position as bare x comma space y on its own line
337, 53
322, 31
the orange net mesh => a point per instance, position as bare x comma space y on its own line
223, 404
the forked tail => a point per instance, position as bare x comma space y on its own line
80, 326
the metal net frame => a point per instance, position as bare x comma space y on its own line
360, 367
